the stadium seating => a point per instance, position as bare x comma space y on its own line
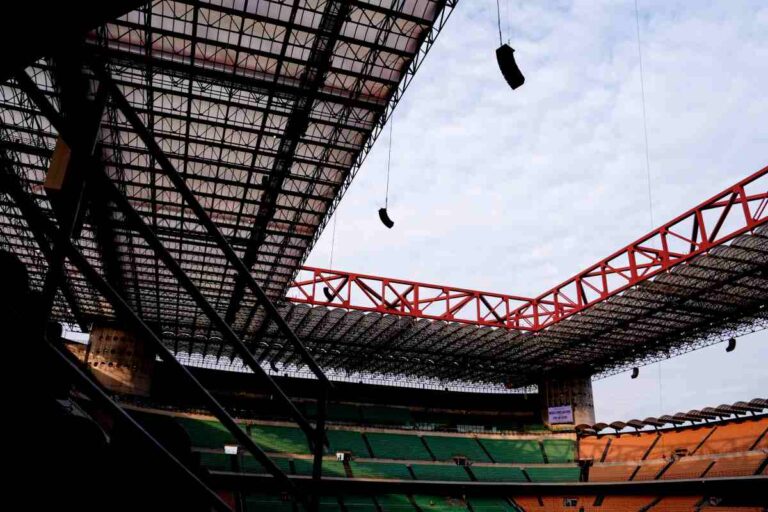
671, 441
592, 447
676, 504
397, 446
514, 450
330, 467
206, 433
379, 470
629, 447
649, 470
498, 474
271, 438
347, 440
250, 465
381, 415
447, 472
359, 503
439, 503
491, 505
447, 447
559, 450
739, 436
260, 502
553, 474
737, 465
611, 472
622, 503
395, 503
216, 461
686, 468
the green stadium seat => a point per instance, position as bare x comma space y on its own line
514, 450
380, 470
491, 505
330, 467
559, 450
397, 446
382, 415
498, 474
280, 439
248, 464
438, 503
216, 461
445, 448
329, 504
260, 503
347, 440
446, 472
395, 503
206, 433
359, 503
553, 474
345, 413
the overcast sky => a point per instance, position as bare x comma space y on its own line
516, 191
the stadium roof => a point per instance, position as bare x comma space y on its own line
699, 279
267, 109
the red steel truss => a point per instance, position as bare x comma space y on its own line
736, 210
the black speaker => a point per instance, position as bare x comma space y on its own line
635, 372
384, 216
328, 295
505, 56
731, 345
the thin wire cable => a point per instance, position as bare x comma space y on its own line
509, 22
333, 239
645, 116
389, 159
647, 161
498, 18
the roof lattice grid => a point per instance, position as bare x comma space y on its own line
267, 109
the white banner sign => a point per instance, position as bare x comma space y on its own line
561, 414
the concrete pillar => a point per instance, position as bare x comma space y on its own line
122, 362
567, 391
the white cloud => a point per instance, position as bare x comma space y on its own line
516, 191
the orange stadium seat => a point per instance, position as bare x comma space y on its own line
739, 465
714, 508
676, 504
686, 468
592, 447
629, 447
670, 441
611, 472
649, 470
623, 503
585, 503
735, 437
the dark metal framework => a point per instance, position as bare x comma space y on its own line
266, 109
207, 147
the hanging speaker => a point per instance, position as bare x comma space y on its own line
384, 216
328, 295
731, 345
505, 56
635, 372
